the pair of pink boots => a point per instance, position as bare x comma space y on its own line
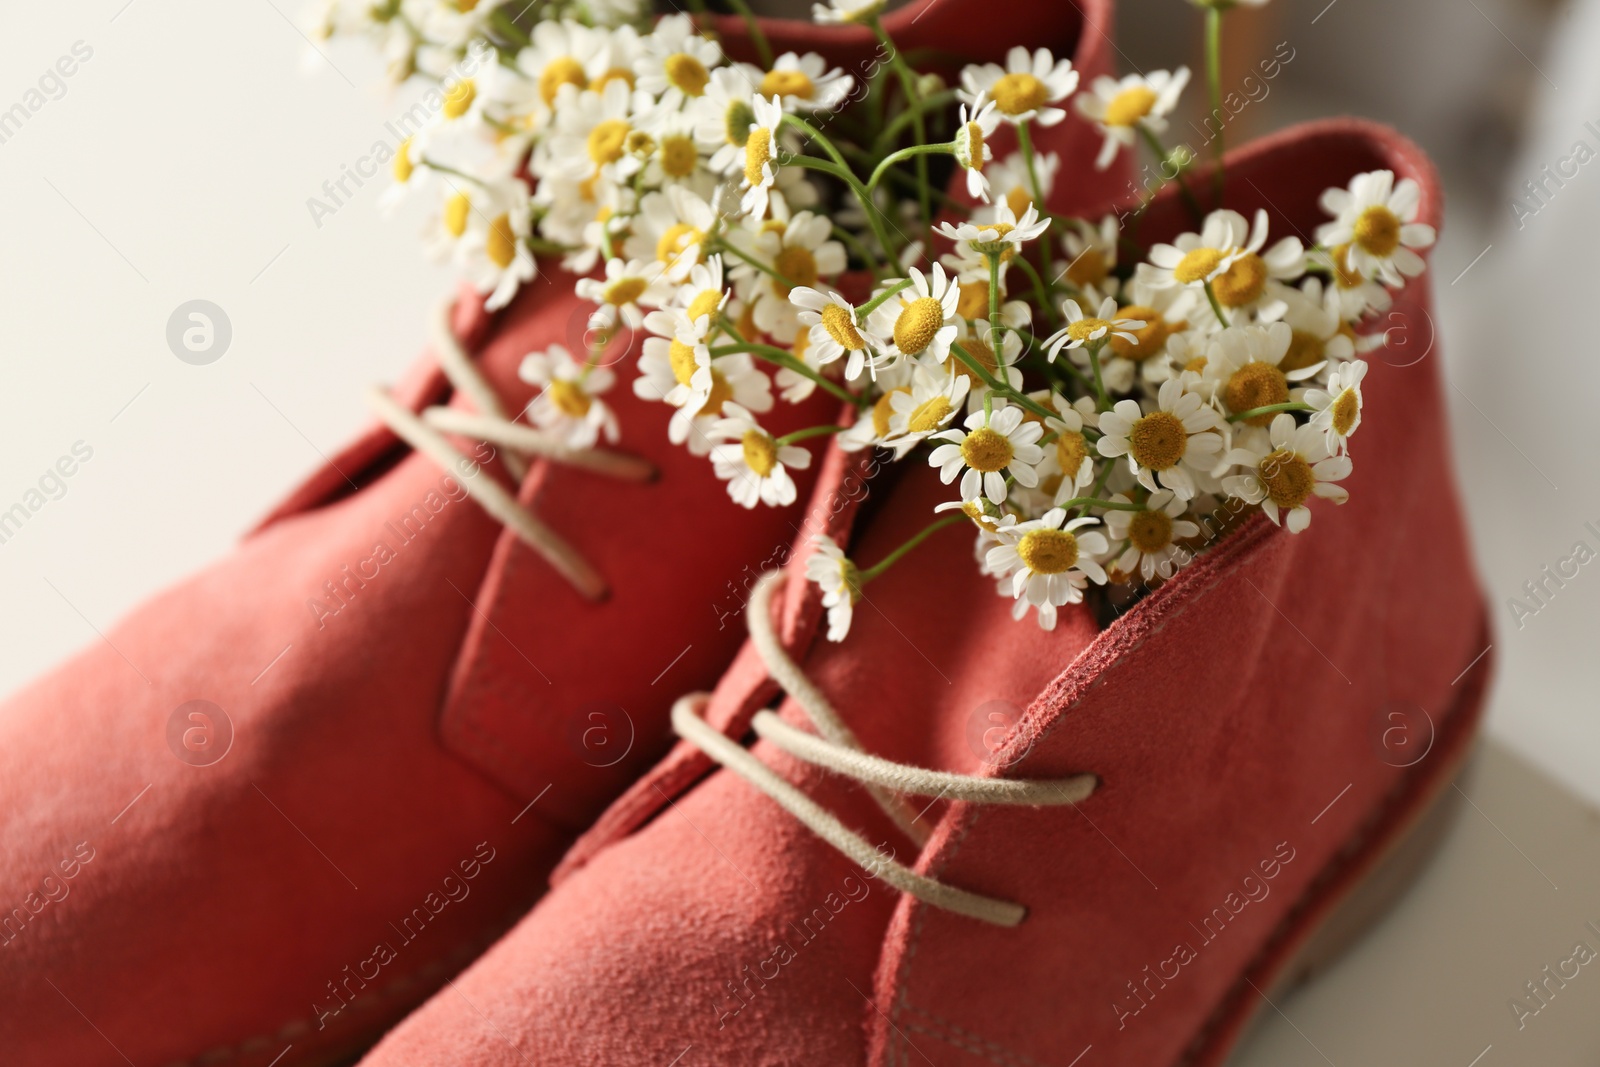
280, 874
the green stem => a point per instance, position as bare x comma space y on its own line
787, 359
814, 431
1040, 291
1103, 398
908, 86
1214, 78
509, 29
945, 149
882, 298
1025, 142
763, 46
1162, 157
887, 135
997, 386
1270, 409
1097, 502
841, 170
1216, 307
994, 307
916, 539
724, 246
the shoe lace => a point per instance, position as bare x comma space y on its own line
490, 423
835, 748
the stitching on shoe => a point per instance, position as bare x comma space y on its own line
996, 1051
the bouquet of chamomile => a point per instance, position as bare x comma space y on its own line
1094, 405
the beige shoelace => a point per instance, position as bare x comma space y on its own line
837, 750
518, 440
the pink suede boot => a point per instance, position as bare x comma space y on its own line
1099, 868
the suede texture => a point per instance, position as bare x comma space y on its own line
1238, 719
418, 698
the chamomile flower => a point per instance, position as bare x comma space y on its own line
1151, 535
703, 293
568, 405
755, 466
993, 445
831, 323
672, 228
1165, 314
934, 398
728, 380
972, 145
1026, 88
1010, 181
494, 251
760, 160
1167, 443
723, 116
805, 83
1226, 254
848, 11
677, 61
1003, 237
1091, 254
1122, 108
1376, 218
1356, 294
628, 287
920, 318
1319, 333
561, 52
1070, 456
1097, 329
1338, 407
1244, 369
797, 254
977, 342
840, 581
1294, 466
592, 133
678, 349
1049, 562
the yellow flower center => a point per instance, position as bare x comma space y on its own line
569, 398
757, 154
760, 452
1048, 551
974, 303
737, 123
1346, 410
798, 267
841, 326
683, 361
501, 244
679, 156
625, 291
1150, 531
974, 153
640, 144
787, 83
707, 303
917, 324
1019, 200
987, 450
615, 74
1130, 105
721, 393
1158, 441
1242, 282
1018, 94
1348, 279
455, 214
883, 411
687, 73
1378, 230
1287, 477
402, 162
1196, 266
1071, 450
607, 141
1084, 329
1088, 268
1149, 339
677, 238
1255, 385
1305, 349
930, 415
558, 72
459, 97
